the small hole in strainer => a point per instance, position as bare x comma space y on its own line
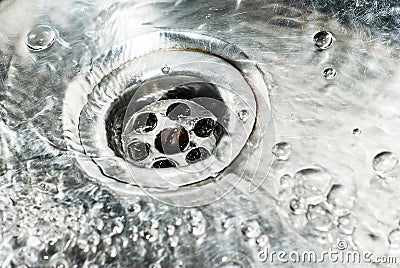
172, 140
163, 163
197, 154
138, 151
145, 122
178, 110
204, 127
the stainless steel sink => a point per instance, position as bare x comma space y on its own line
198, 133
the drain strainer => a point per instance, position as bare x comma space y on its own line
182, 116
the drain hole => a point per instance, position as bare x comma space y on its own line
193, 90
145, 122
136, 118
164, 163
172, 140
204, 127
138, 151
178, 110
202, 93
172, 121
196, 155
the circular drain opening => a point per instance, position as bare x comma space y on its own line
180, 123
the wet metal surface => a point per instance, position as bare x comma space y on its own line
327, 73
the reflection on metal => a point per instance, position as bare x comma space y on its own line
124, 127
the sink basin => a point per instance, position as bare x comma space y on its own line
177, 133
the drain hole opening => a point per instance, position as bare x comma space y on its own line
178, 110
204, 127
176, 126
163, 163
138, 151
172, 140
194, 116
197, 154
145, 122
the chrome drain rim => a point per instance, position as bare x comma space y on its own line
91, 95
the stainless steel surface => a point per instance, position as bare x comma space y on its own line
330, 152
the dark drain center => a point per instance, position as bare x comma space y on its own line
175, 126
169, 106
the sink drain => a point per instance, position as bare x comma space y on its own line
184, 118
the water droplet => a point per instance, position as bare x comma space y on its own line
178, 110
394, 238
347, 224
137, 150
356, 132
165, 69
384, 162
250, 228
135, 207
342, 199
319, 218
172, 140
118, 227
225, 223
170, 229
329, 73
286, 181
194, 215
150, 235
315, 181
282, 150
178, 221
323, 39
93, 238
40, 38
243, 115
262, 240
173, 241
197, 223
204, 127
199, 229
297, 206
59, 260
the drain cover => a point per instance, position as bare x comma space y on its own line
184, 118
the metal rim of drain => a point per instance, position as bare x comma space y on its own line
124, 74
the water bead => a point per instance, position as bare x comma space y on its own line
40, 38
323, 39
286, 181
282, 150
394, 238
384, 162
243, 115
356, 132
297, 206
319, 218
342, 199
165, 69
262, 240
315, 183
250, 228
347, 224
329, 73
